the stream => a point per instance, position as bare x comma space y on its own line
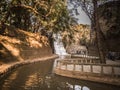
40, 76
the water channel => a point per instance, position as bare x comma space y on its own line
39, 76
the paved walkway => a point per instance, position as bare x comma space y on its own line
116, 62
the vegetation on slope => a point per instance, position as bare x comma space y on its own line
19, 45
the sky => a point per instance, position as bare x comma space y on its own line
82, 17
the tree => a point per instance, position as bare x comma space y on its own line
90, 7
99, 34
44, 16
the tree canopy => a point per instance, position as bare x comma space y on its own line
45, 16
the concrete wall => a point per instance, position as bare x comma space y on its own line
98, 69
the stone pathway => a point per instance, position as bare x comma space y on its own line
116, 62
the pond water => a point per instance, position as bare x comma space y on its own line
39, 76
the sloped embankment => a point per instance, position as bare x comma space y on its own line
19, 45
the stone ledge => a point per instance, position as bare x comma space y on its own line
103, 79
5, 69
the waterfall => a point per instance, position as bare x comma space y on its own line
58, 45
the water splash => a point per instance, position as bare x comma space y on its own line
58, 45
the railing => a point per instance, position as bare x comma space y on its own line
84, 56
89, 69
80, 60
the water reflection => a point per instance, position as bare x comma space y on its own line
77, 87
9, 80
85, 88
38, 76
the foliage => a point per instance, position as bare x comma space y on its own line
80, 35
45, 16
91, 9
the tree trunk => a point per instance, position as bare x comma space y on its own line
51, 41
98, 34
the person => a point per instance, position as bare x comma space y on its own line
111, 55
